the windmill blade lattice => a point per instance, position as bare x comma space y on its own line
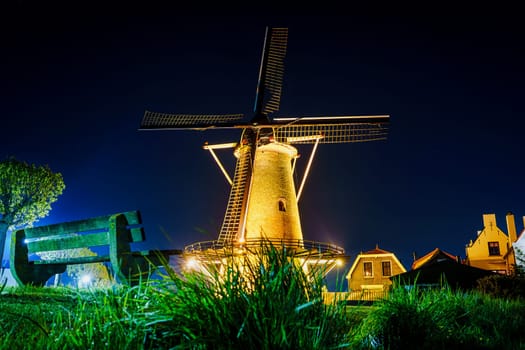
165, 121
331, 129
269, 86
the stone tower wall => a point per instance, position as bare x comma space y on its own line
272, 207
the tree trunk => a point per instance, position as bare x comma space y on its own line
4, 226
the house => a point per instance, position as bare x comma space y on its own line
371, 272
492, 249
518, 248
439, 267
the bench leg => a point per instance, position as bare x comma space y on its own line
36, 275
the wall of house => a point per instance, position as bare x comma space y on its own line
358, 281
477, 251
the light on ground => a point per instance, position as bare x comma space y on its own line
85, 280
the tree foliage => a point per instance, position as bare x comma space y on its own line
26, 194
27, 191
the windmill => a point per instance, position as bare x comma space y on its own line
263, 201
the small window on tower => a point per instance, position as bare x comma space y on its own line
282, 206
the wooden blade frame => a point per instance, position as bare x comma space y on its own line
153, 120
271, 71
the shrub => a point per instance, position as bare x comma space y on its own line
501, 286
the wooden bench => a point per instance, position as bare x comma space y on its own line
116, 232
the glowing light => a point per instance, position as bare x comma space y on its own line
84, 281
192, 264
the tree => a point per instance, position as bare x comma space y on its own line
26, 194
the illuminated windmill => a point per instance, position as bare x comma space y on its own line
263, 199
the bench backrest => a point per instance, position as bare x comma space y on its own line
84, 233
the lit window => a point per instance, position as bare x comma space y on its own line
387, 270
494, 248
282, 206
367, 269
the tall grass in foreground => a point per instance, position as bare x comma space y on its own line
63, 318
264, 302
267, 302
442, 319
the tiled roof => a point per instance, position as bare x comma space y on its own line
377, 250
430, 256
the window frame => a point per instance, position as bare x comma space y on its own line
386, 263
365, 275
494, 248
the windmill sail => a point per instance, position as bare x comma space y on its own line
341, 129
269, 86
165, 121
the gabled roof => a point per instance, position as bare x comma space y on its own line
376, 252
491, 221
434, 256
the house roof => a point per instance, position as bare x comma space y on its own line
435, 255
492, 227
376, 252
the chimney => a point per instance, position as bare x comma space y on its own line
489, 220
511, 228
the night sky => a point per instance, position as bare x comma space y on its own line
75, 87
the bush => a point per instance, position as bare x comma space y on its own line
501, 286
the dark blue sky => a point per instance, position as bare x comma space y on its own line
75, 87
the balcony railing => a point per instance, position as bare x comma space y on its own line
298, 245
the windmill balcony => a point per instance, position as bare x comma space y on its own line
299, 246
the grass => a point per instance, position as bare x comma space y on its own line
264, 303
442, 319
49, 318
